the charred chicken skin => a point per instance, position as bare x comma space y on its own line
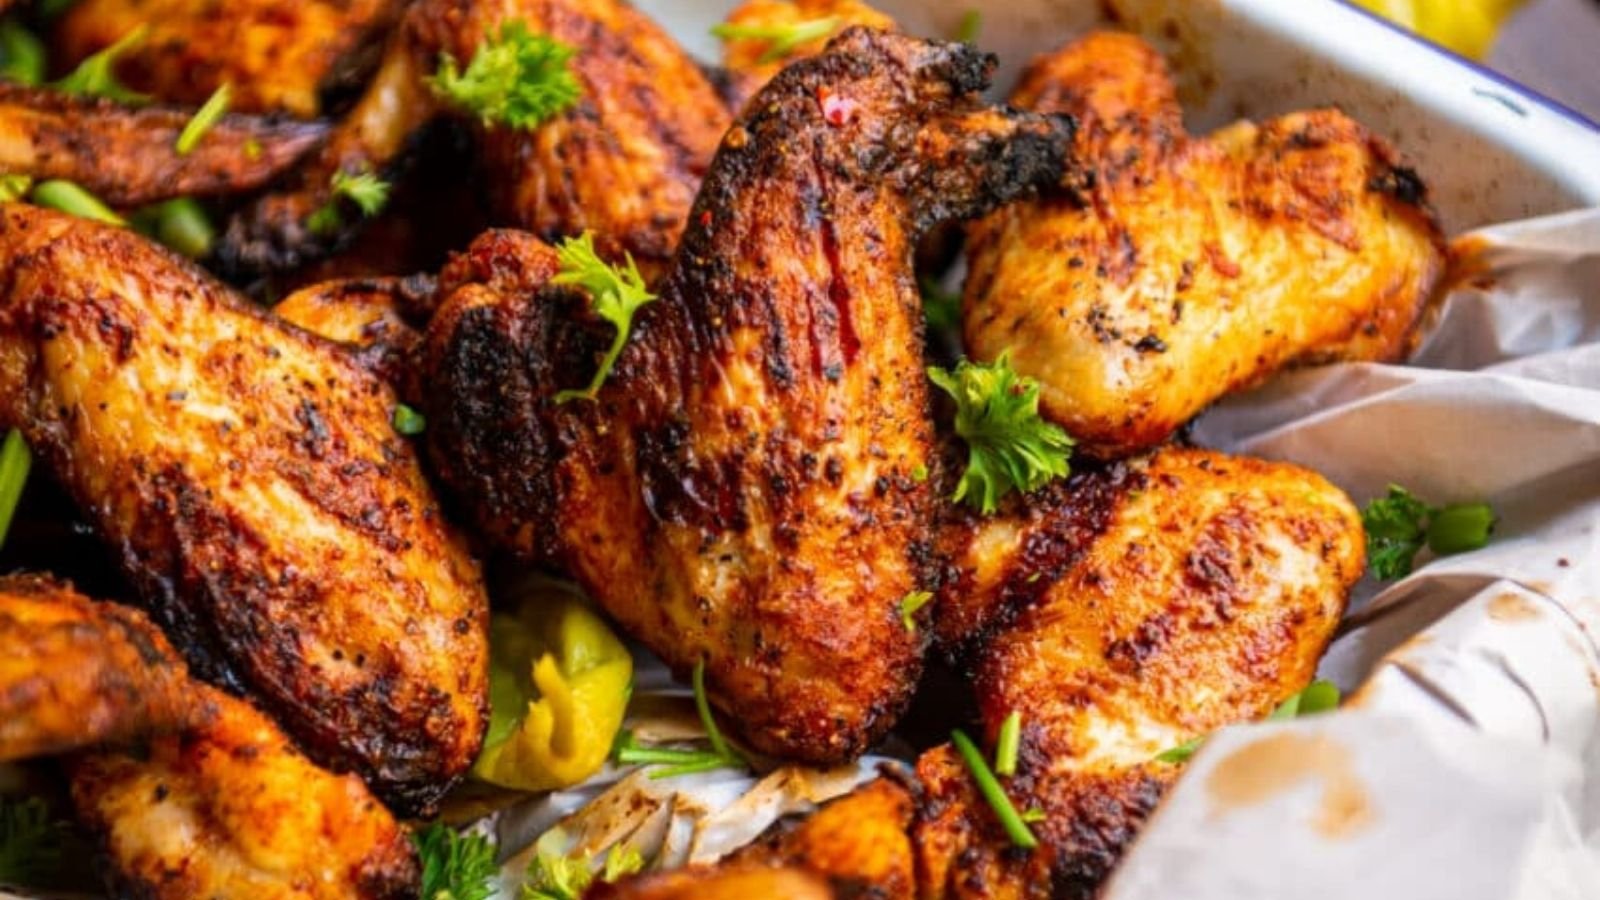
212, 801
76, 673
623, 162
128, 157
275, 55
247, 477
1175, 595
745, 489
1187, 268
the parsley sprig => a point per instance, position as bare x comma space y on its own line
31, 841
615, 294
1010, 445
1317, 697
1399, 524
781, 39
367, 191
516, 78
96, 76
684, 762
455, 865
553, 876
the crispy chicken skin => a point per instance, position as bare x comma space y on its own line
232, 810
1203, 596
371, 317
75, 673
744, 490
746, 60
624, 162
855, 847
1187, 268
248, 479
278, 55
127, 156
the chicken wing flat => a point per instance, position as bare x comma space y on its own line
371, 317
76, 673
1187, 268
127, 157
624, 162
248, 478
751, 60
277, 55
745, 491
232, 810
1201, 594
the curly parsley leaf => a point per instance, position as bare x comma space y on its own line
615, 294
1010, 446
782, 40
31, 841
367, 191
1399, 525
455, 866
516, 78
95, 76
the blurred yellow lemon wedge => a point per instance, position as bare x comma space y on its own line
1466, 26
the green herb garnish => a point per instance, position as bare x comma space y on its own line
94, 77
22, 54
181, 224
615, 294
204, 119
367, 191
1398, 525
1317, 697
14, 187
990, 788
782, 40
1008, 745
1010, 446
909, 605
69, 198
940, 307
408, 421
455, 866
684, 762
969, 27
517, 78
552, 876
31, 841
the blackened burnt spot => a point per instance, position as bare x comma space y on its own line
1401, 183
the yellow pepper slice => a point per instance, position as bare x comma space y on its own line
558, 687
1466, 26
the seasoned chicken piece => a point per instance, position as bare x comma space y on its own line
1134, 610
624, 162
232, 810
218, 804
371, 316
277, 55
128, 157
745, 489
856, 846
752, 59
76, 673
249, 480
1187, 268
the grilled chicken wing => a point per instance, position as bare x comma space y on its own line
277, 55
127, 157
1187, 268
371, 317
1122, 615
856, 846
751, 61
744, 490
624, 162
218, 804
248, 478
75, 673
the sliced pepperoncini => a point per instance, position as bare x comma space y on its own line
559, 682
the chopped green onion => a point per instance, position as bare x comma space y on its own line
14, 187
94, 76
22, 56
1317, 697
782, 40
920, 473
69, 198
1182, 752
181, 224
1008, 745
1032, 815
969, 27
990, 788
1460, 527
204, 119
15, 461
909, 605
703, 705
408, 421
